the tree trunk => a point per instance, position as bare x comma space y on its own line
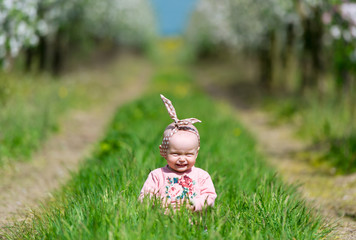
267, 61
58, 52
316, 45
29, 58
42, 53
265, 69
306, 64
289, 55
312, 46
274, 58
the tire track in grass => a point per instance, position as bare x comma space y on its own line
24, 184
320, 189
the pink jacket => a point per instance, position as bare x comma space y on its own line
194, 184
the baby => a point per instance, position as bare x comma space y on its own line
180, 181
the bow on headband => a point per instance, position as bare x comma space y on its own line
173, 114
178, 125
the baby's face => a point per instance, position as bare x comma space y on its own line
182, 151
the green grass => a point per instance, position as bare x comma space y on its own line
327, 123
100, 202
32, 105
30, 108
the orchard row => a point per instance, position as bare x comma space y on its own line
35, 25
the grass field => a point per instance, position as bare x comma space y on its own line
32, 105
100, 202
328, 124
30, 108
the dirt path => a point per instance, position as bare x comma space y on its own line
334, 196
23, 185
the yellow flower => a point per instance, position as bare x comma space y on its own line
105, 147
237, 132
62, 92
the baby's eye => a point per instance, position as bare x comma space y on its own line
190, 154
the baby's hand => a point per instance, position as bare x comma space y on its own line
149, 192
166, 202
184, 202
177, 204
153, 195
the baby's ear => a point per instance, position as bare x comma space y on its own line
161, 151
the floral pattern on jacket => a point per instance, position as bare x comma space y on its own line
180, 188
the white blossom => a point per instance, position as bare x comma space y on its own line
22, 28
347, 36
124, 20
335, 31
2, 40
326, 18
8, 4
353, 31
33, 40
3, 16
348, 12
15, 47
42, 27
241, 22
353, 55
2, 52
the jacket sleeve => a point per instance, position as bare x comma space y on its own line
207, 193
150, 187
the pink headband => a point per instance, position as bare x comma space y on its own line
177, 125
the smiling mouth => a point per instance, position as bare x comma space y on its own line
181, 165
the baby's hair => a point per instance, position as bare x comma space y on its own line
177, 125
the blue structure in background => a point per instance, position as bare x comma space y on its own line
172, 15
